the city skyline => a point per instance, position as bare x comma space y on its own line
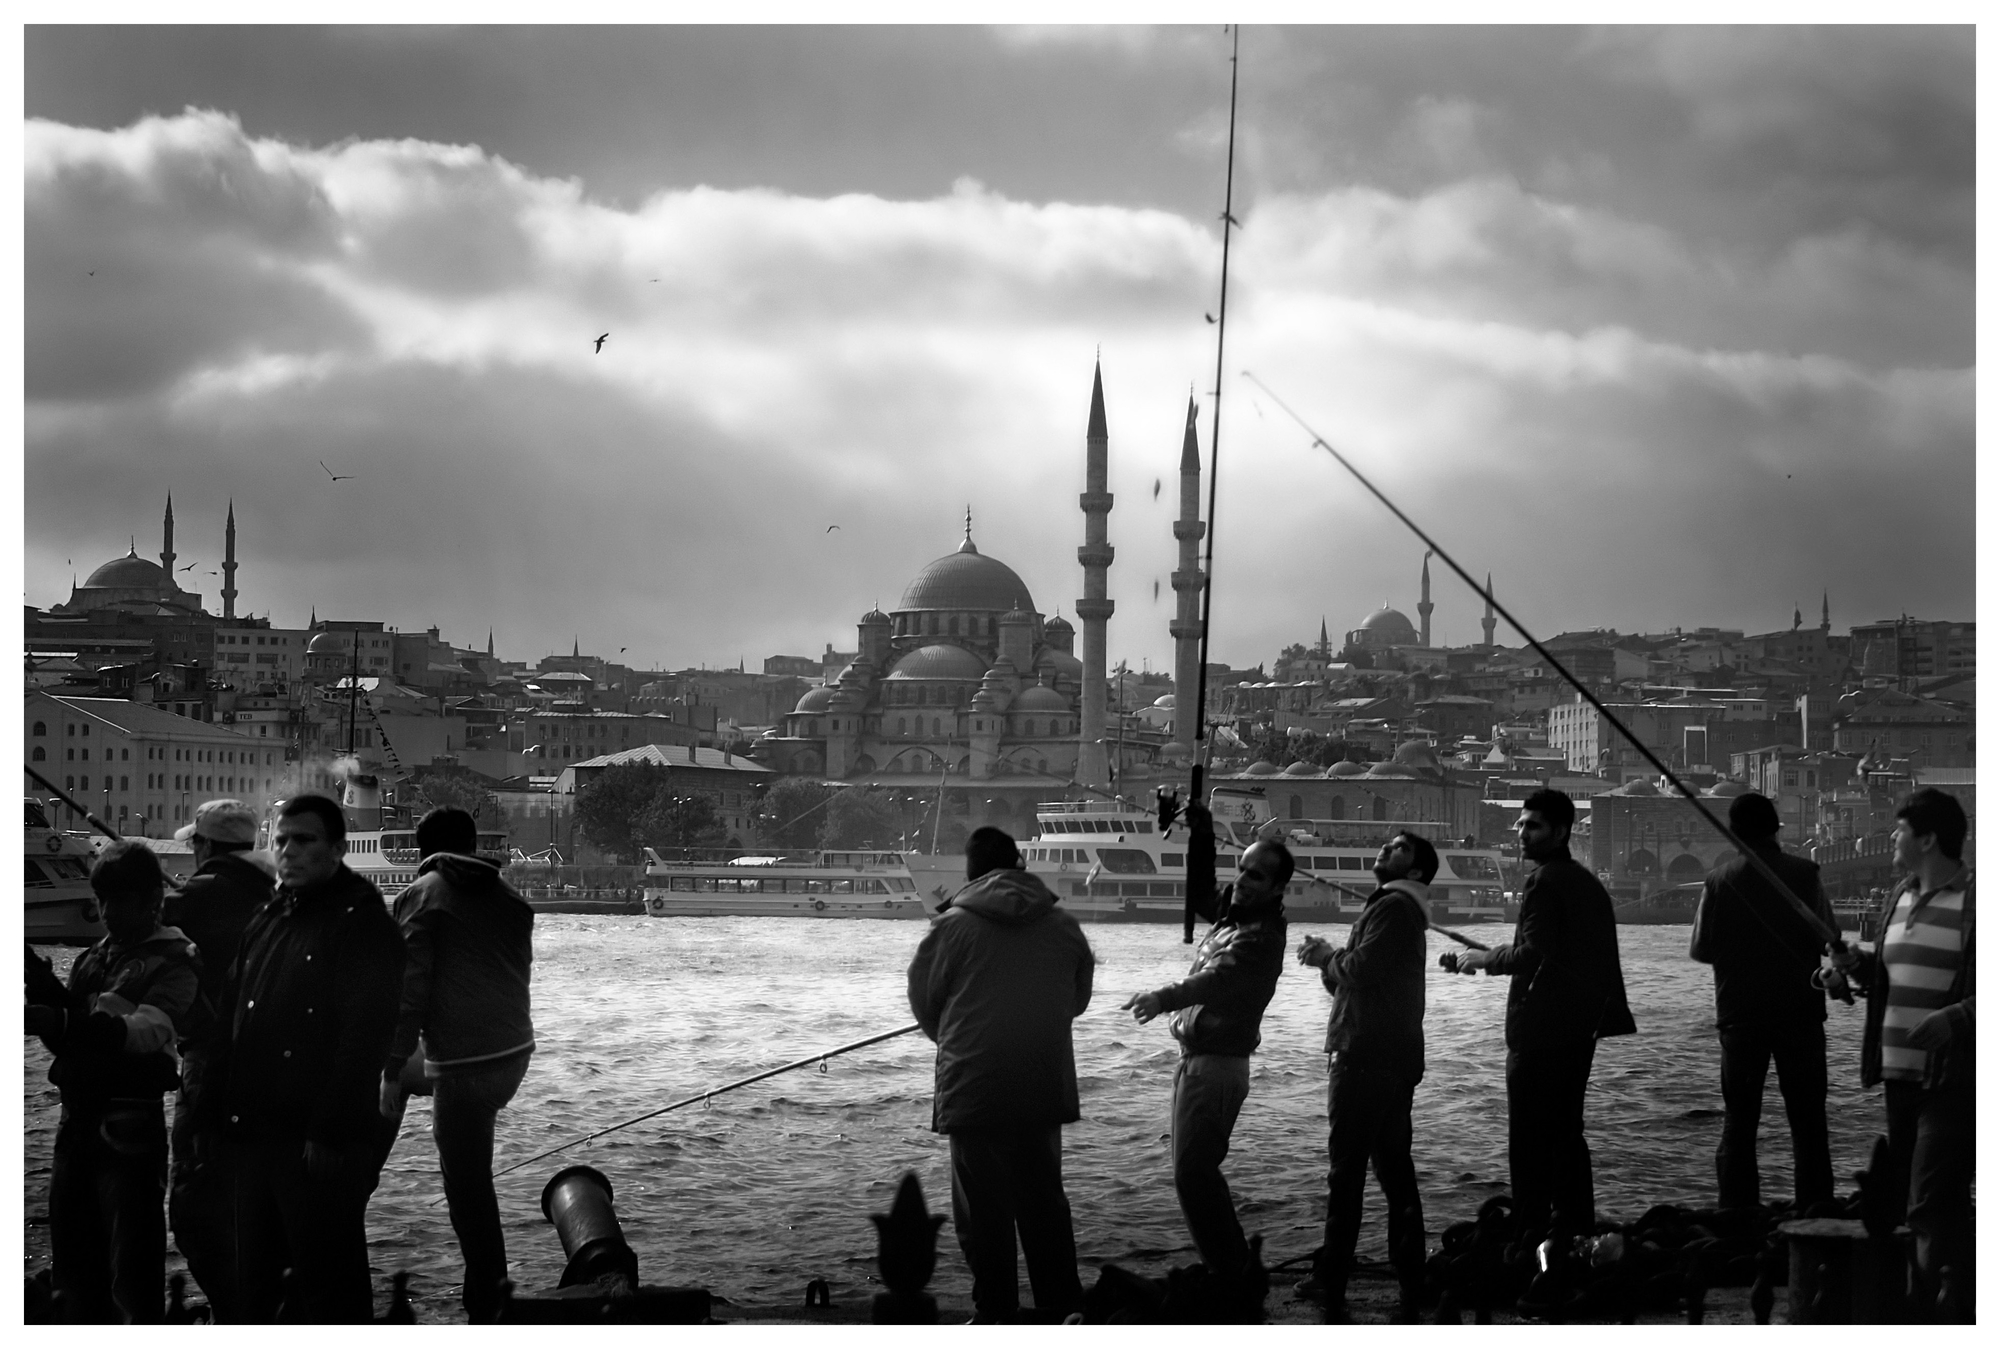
1690, 303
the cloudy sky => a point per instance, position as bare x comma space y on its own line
1658, 326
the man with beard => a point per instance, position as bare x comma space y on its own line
1566, 994
310, 1008
1374, 1059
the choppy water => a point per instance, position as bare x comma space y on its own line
771, 1186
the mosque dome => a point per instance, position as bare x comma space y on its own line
1726, 788
1387, 627
817, 699
1059, 624
875, 616
967, 580
327, 643
1041, 698
1636, 787
1061, 662
130, 572
1301, 769
1263, 768
1165, 700
1416, 754
940, 660
1346, 768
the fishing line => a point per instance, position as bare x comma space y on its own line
1763, 868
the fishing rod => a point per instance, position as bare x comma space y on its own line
1359, 893
810, 1059
1813, 921
1198, 768
76, 806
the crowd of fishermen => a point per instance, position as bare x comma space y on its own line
1004, 970
293, 1013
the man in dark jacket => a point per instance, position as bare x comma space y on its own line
1767, 1006
310, 1006
112, 1032
469, 943
1218, 1010
1917, 1041
995, 983
1374, 1059
230, 883
1567, 993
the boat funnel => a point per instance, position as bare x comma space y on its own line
577, 1201
362, 800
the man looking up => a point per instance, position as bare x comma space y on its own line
1218, 1010
1917, 1042
231, 881
995, 983
1567, 993
1766, 1005
310, 1008
112, 1033
1374, 1060
469, 943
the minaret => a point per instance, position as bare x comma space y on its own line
229, 563
1487, 622
1094, 608
1186, 627
1424, 605
167, 550
489, 644
1825, 614
1325, 643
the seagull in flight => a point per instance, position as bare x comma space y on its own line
599, 345
337, 477
1156, 489
189, 567
831, 528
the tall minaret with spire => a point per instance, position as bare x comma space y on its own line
1487, 622
1825, 613
229, 563
167, 547
1424, 605
1186, 627
1094, 608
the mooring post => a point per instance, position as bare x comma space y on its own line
907, 1255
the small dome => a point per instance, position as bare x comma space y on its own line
1058, 624
1346, 768
1416, 754
326, 643
939, 660
1301, 769
1164, 700
1726, 788
816, 699
1017, 616
1637, 787
130, 572
1389, 768
1263, 768
875, 617
1059, 660
967, 579
1041, 698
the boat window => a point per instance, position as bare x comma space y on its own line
1164, 889
683, 883
1127, 861
842, 888
873, 887
32, 875
1172, 859
1353, 864
1474, 867
707, 884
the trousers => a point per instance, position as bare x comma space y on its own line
201, 1196
107, 1211
464, 1105
1933, 1140
1799, 1050
1547, 1157
1209, 1091
287, 1218
1004, 1182
1368, 1123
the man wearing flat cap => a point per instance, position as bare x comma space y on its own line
230, 882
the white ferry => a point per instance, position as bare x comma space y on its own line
823, 884
1108, 862
389, 857
58, 906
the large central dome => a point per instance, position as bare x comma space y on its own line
130, 572
967, 580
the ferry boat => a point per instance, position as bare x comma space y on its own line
822, 884
58, 906
1108, 862
389, 857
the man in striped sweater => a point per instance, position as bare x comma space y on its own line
1918, 1042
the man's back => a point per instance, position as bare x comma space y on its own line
212, 910
1567, 984
996, 982
1764, 954
469, 942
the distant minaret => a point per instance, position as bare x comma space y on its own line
1325, 644
1487, 622
489, 644
229, 563
1424, 605
1186, 627
167, 550
1094, 608
1825, 614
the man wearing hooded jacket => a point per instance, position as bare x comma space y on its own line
1374, 1059
468, 939
995, 983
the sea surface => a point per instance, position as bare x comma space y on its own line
768, 1187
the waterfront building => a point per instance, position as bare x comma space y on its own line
142, 769
731, 782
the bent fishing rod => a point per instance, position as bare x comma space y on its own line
1813, 921
1198, 768
700, 1097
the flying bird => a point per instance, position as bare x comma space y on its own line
189, 567
1156, 489
1210, 317
599, 346
337, 477
90, 273
831, 528
1156, 589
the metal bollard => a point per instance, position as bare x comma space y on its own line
577, 1201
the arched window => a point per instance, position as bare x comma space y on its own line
39, 754
41, 728
1298, 806
902, 725
1381, 809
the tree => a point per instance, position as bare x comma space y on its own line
789, 815
456, 787
610, 806
861, 817
672, 820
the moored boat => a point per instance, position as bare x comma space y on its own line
58, 906
829, 883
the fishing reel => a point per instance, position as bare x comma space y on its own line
1167, 802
